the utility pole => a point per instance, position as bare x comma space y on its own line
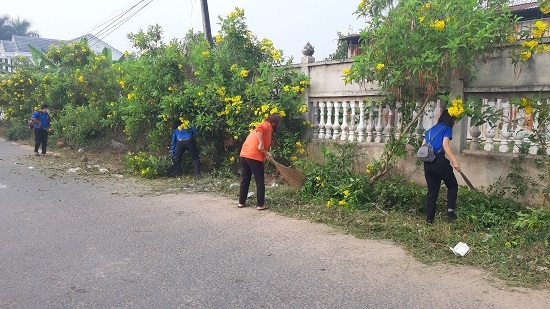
206, 22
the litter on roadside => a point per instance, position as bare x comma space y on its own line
461, 249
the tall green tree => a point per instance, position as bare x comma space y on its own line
15, 26
4, 26
414, 48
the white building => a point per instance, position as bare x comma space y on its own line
19, 47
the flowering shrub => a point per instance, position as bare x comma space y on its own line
147, 166
343, 189
224, 90
18, 92
413, 48
531, 42
350, 190
533, 120
80, 124
438, 38
544, 6
456, 109
74, 78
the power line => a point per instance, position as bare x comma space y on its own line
116, 20
116, 24
113, 17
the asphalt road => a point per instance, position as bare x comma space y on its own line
67, 242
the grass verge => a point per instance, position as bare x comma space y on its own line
427, 243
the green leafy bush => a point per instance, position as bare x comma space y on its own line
334, 182
148, 166
224, 90
80, 125
397, 193
18, 131
485, 210
536, 219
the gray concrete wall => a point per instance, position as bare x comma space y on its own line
482, 169
327, 81
497, 78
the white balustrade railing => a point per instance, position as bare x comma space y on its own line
510, 134
361, 121
352, 121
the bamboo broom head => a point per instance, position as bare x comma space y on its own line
293, 177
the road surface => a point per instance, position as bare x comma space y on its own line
68, 242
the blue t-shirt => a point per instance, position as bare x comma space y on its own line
43, 118
437, 133
182, 134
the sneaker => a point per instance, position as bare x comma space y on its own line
450, 216
37, 154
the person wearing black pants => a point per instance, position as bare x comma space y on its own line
252, 156
183, 140
40, 139
441, 169
40, 120
251, 167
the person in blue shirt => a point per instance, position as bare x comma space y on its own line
183, 140
40, 121
441, 169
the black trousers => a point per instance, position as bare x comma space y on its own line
189, 145
40, 138
251, 167
435, 172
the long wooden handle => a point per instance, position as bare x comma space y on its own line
467, 181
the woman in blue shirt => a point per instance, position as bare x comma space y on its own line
183, 140
441, 169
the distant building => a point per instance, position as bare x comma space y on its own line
353, 43
97, 45
527, 10
19, 47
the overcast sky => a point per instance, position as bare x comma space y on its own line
290, 24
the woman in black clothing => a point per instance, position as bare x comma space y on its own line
441, 169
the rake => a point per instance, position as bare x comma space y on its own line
293, 177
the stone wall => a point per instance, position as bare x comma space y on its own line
482, 169
496, 79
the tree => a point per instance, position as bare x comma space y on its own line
414, 48
15, 26
4, 27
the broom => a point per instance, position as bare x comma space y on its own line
293, 177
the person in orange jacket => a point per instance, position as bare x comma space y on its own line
252, 156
